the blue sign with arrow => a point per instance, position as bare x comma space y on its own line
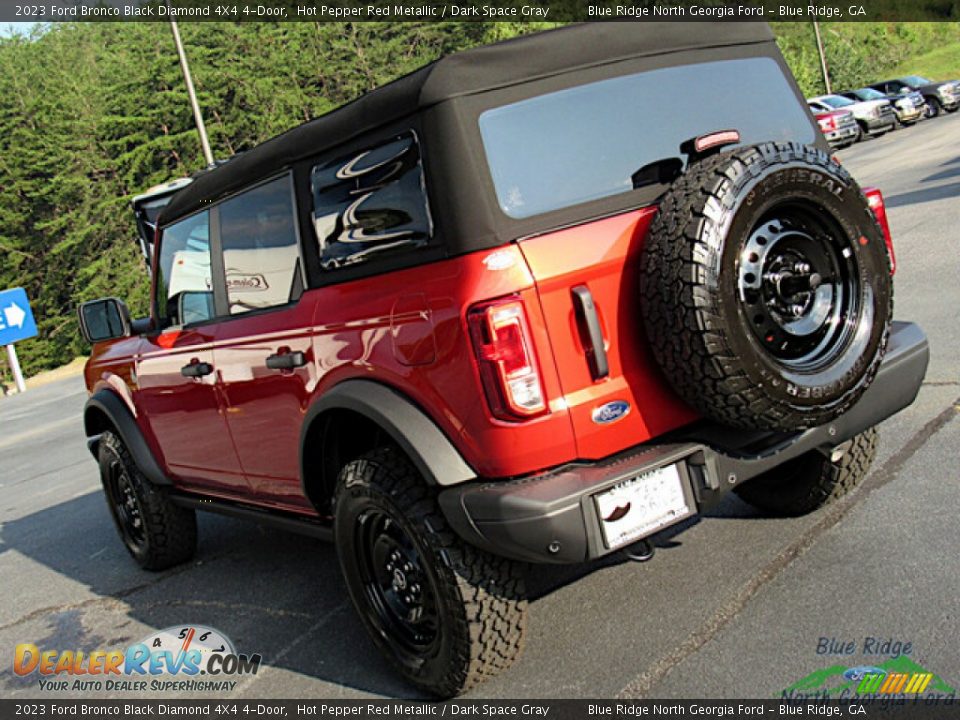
16, 318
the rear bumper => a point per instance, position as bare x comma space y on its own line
551, 518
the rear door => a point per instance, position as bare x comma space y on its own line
583, 147
263, 352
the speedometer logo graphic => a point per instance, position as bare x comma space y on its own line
181, 639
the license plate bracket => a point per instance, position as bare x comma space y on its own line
643, 504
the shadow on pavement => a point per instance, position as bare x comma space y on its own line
940, 192
271, 592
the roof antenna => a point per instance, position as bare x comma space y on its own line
197, 116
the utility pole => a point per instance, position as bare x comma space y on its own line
823, 58
197, 116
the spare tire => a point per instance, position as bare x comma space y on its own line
766, 287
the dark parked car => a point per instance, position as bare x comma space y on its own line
909, 108
938, 96
499, 312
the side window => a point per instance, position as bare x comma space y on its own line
184, 288
260, 253
370, 203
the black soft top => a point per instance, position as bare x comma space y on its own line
481, 69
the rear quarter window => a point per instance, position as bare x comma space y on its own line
585, 143
370, 204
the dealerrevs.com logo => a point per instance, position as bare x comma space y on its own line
181, 658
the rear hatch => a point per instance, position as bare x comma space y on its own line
598, 264
588, 147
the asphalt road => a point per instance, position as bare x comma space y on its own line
733, 607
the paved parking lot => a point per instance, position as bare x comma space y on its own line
735, 606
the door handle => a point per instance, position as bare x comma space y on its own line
286, 361
196, 369
589, 324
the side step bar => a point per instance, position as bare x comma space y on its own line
282, 521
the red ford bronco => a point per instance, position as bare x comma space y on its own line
532, 303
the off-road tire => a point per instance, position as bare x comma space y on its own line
480, 598
698, 329
811, 481
169, 532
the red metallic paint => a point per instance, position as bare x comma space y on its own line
605, 256
186, 415
235, 433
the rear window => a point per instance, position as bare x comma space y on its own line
585, 143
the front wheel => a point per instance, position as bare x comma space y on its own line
445, 614
157, 533
933, 108
813, 480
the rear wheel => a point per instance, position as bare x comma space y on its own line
811, 481
157, 533
445, 614
933, 108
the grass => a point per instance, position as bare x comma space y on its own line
71, 369
940, 64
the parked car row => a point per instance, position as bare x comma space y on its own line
850, 116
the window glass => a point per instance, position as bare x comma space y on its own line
869, 94
589, 141
260, 253
184, 288
837, 101
370, 203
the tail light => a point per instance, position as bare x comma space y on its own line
875, 201
508, 365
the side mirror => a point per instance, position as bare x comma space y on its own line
194, 306
905, 91
104, 319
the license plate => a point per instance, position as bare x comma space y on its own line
639, 506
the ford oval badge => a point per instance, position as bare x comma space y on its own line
610, 412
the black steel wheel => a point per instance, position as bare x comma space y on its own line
400, 594
445, 614
798, 284
125, 506
156, 533
766, 288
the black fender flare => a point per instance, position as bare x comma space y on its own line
117, 413
415, 433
